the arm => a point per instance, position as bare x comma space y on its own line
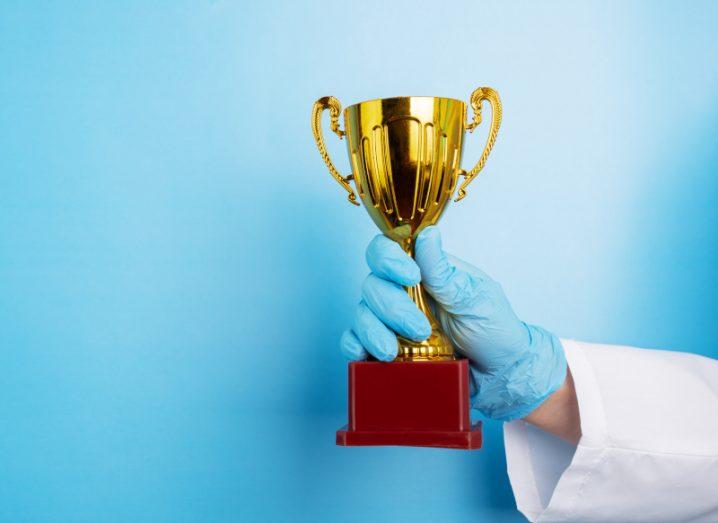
636, 428
559, 415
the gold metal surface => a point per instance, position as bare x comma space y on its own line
331, 103
478, 96
405, 155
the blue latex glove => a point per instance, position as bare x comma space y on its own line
514, 366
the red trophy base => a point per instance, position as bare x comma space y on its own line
411, 403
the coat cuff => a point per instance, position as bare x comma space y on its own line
541, 465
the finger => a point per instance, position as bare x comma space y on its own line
374, 336
351, 347
451, 286
388, 260
392, 305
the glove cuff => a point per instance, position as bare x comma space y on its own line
518, 389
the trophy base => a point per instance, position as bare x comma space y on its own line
461, 439
410, 403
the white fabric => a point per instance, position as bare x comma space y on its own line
649, 449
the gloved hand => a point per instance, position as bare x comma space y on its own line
514, 366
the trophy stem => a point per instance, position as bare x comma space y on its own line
418, 296
437, 346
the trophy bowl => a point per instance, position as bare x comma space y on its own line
405, 155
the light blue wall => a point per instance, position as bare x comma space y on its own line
176, 265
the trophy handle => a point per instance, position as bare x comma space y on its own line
478, 96
331, 103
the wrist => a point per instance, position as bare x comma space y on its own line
518, 389
559, 414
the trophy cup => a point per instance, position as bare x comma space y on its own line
405, 155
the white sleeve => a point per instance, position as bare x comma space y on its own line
649, 448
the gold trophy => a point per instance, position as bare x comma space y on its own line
405, 155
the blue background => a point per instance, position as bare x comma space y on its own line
176, 264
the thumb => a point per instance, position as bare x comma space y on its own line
451, 286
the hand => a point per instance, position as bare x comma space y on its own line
514, 366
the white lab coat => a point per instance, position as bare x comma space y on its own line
649, 449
